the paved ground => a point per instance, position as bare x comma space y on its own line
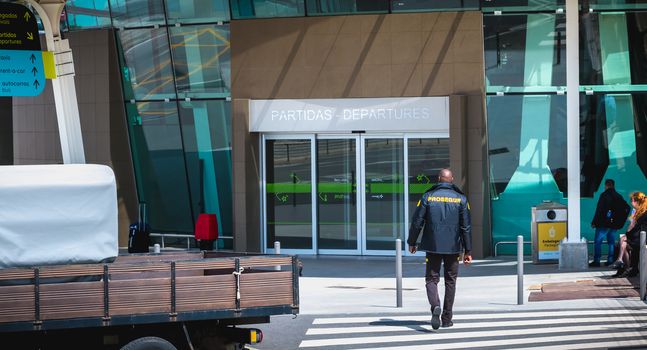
350, 303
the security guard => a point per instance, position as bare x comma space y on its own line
445, 214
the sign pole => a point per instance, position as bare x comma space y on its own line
63, 86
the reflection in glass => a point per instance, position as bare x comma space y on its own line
336, 194
289, 196
527, 158
137, 13
202, 59
241, 9
197, 11
158, 159
522, 5
524, 50
206, 128
613, 49
148, 69
86, 14
426, 158
432, 5
336, 7
384, 173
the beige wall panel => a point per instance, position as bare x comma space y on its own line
406, 80
415, 54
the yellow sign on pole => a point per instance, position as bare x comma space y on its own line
549, 234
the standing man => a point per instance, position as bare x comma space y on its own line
445, 215
610, 215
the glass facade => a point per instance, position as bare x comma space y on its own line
175, 60
175, 65
524, 59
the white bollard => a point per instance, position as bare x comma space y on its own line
277, 250
398, 271
519, 270
156, 248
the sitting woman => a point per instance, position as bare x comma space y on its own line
630, 245
623, 256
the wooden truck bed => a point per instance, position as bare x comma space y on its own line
148, 288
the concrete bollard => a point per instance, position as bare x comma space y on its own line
277, 250
398, 272
519, 270
643, 265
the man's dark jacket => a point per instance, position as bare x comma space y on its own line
611, 202
445, 215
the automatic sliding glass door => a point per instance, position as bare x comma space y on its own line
383, 194
366, 189
288, 194
337, 204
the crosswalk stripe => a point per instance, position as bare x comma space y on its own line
537, 332
536, 338
399, 328
593, 345
578, 346
498, 315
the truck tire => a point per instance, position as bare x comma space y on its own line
149, 343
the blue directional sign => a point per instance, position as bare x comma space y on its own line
21, 73
21, 61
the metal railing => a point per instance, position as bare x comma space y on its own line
496, 245
189, 238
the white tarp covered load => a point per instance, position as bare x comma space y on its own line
57, 214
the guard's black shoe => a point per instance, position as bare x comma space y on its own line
594, 264
617, 265
447, 324
435, 317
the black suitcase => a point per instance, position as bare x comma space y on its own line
139, 233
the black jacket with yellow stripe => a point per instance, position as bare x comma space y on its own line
444, 213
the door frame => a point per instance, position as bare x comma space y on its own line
360, 165
359, 207
263, 139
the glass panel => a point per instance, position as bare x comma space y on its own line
340, 7
147, 68
202, 59
289, 193
197, 11
521, 5
426, 158
524, 51
266, 8
599, 5
613, 148
206, 127
527, 152
137, 13
159, 164
613, 49
384, 174
85, 14
337, 194
432, 5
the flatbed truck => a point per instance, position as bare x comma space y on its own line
172, 300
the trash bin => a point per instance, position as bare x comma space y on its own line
548, 229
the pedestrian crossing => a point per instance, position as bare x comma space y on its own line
540, 329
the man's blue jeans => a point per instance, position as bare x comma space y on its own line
600, 233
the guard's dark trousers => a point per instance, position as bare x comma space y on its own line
432, 276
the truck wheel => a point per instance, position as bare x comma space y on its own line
149, 343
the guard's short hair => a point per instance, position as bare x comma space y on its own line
610, 183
